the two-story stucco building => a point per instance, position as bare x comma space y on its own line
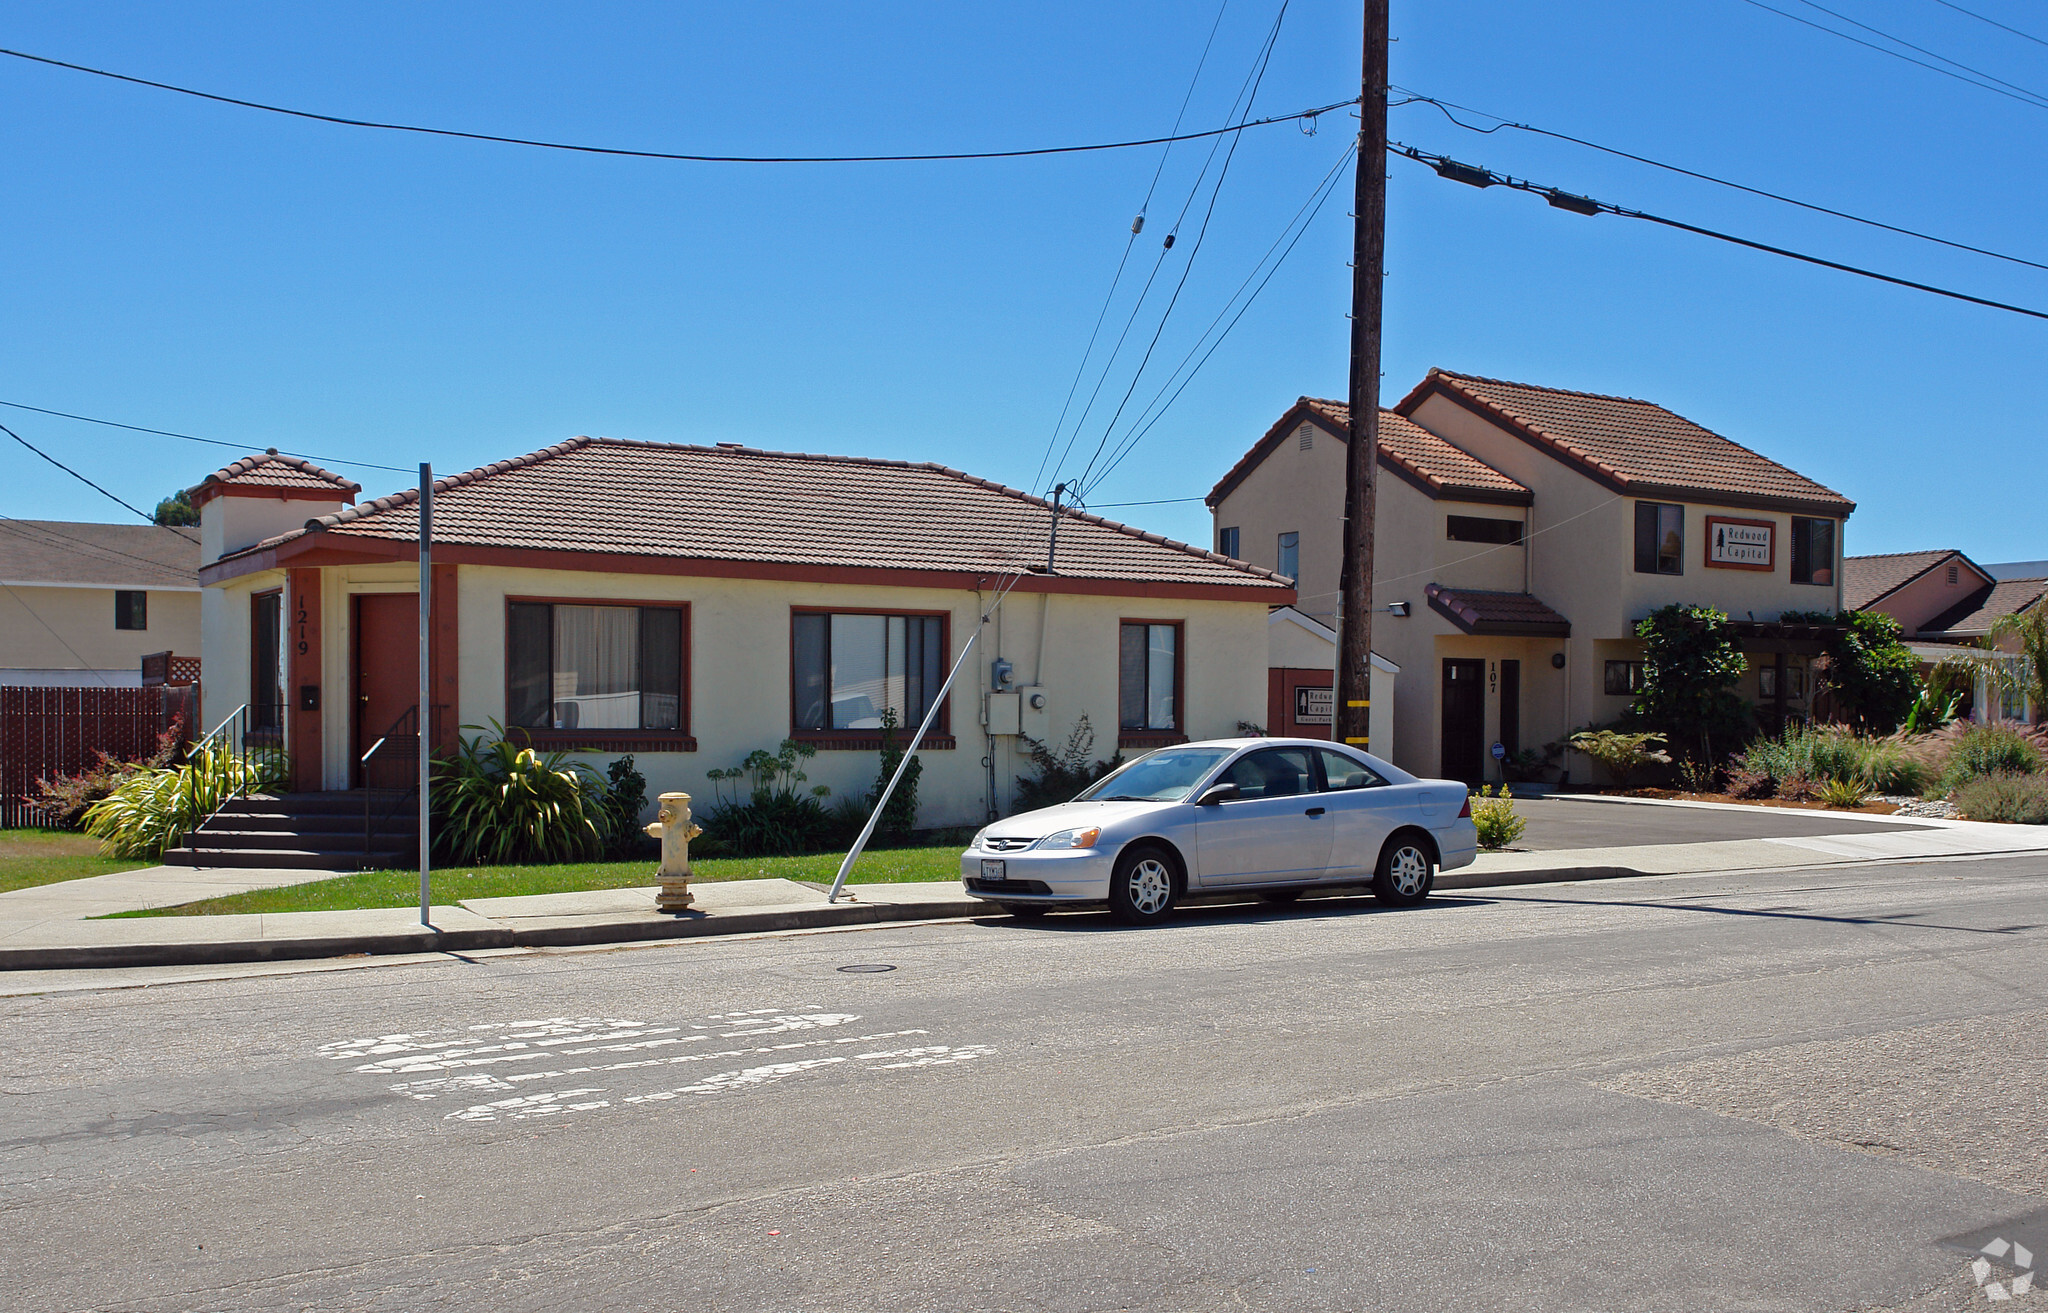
1521, 532
690, 604
81, 605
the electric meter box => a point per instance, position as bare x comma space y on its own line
1004, 713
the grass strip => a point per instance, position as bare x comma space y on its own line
401, 888
34, 857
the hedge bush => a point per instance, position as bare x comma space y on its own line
2014, 799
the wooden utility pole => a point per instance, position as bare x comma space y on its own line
1368, 257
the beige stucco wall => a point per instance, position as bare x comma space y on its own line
1294, 491
229, 524
66, 627
1931, 594
739, 669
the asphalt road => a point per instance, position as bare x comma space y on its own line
1700, 1092
1556, 823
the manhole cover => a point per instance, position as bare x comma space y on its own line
867, 968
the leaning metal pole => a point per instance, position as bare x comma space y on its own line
931, 714
423, 718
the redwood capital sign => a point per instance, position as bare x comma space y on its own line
1741, 544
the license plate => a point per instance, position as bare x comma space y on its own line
992, 870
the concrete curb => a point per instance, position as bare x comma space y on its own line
218, 953
698, 925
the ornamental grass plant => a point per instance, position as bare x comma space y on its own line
497, 803
2014, 799
155, 808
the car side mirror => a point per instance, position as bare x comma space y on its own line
1216, 793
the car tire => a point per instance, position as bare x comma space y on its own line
1145, 886
1280, 895
1406, 870
1026, 911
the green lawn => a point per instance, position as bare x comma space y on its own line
33, 857
401, 888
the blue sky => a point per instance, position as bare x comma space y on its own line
390, 299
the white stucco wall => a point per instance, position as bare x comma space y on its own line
70, 628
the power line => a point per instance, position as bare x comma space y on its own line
88, 482
1137, 226
1472, 175
215, 442
670, 155
1994, 22
12, 524
2024, 97
1811, 4
1157, 501
1446, 106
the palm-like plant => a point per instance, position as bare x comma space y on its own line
154, 809
498, 803
2026, 631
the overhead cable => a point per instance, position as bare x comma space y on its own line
1896, 40
1994, 22
1996, 85
1475, 176
673, 155
89, 483
49, 537
214, 442
1446, 106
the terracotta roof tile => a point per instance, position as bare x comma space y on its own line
60, 551
284, 473
1634, 444
1868, 579
1975, 614
1426, 459
1477, 611
741, 504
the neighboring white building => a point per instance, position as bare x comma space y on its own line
691, 604
1520, 534
82, 604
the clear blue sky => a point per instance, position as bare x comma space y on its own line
390, 299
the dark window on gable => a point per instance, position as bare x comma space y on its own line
1148, 676
849, 668
1660, 538
1226, 543
1290, 556
1481, 529
1813, 551
131, 609
593, 667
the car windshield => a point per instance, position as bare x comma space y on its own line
1165, 776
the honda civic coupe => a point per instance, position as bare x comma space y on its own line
1271, 817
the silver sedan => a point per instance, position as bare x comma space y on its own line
1275, 817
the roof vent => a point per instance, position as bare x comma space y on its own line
1308, 437
732, 446
1951, 576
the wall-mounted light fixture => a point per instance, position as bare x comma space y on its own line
1397, 608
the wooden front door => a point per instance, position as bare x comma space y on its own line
387, 684
1464, 741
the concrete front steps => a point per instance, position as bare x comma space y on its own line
305, 831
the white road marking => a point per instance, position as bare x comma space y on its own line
450, 1063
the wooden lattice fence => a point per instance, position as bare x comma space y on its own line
60, 731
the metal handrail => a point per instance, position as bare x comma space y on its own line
411, 713
233, 731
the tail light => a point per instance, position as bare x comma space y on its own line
1465, 812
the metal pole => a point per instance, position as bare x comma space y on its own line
423, 716
1368, 260
931, 714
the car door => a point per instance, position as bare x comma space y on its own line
1366, 809
1277, 828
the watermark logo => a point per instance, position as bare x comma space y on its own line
2015, 1256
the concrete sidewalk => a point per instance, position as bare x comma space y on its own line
50, 931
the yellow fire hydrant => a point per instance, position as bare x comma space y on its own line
675, 832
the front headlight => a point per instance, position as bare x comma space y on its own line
979, 835
1082, 838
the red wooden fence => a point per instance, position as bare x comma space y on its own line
53, 731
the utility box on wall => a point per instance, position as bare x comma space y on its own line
1035, 718
1004, 713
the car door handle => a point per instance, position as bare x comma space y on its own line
1313, 811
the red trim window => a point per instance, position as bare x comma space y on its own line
603, 668
849, 668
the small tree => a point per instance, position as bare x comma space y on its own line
1870, 674
1622, 754
1063, 771
176, 509
1691, 665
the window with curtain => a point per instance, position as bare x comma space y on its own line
1148, 676
1813, 551
848, 668
572, 666
1660, 538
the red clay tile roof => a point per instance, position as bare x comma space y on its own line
285, 474
1423, 458
1870, 579
1634, 446
1974, 614
742, 504
1477, 611
134, 555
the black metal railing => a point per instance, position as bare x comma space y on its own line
394, 756
230, 737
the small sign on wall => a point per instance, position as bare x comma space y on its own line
1741, 544
1314, 706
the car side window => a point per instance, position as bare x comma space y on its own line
1341, 772
1271, 773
